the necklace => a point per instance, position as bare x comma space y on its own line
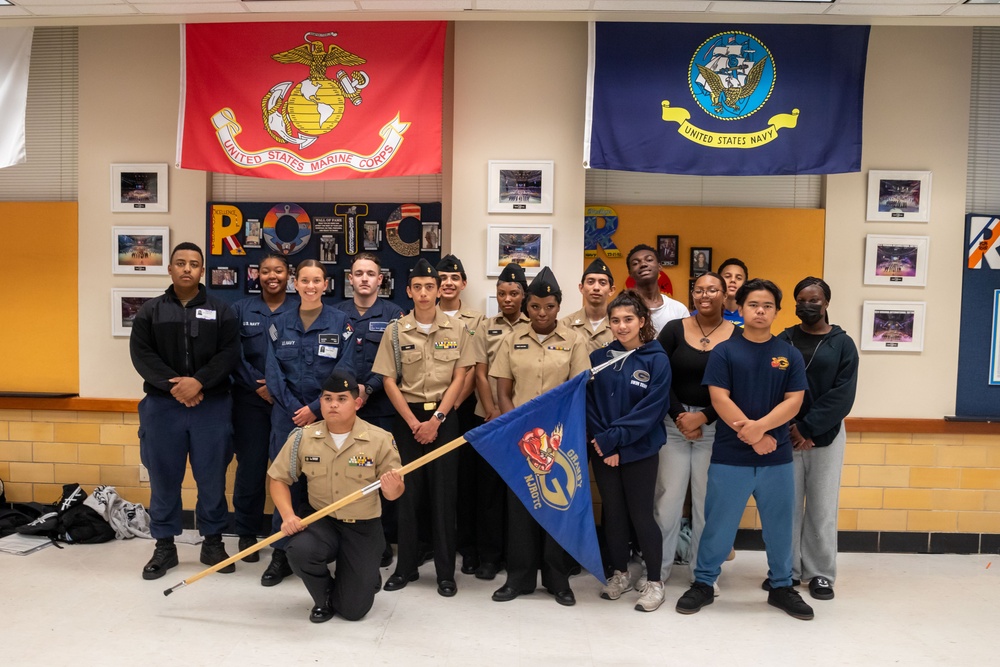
705, 340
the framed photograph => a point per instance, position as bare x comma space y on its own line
372, 235
701, 261
492, 305
666, 250
520, 186
995, 347
125, 303
139, 188
893, 326
348, 287
328, 249
899, 196
330, 287
388, 284
430, 237
223, 277
531, 247
251, 283
290, 286
896, 260
251, 237
691, 294
140, 250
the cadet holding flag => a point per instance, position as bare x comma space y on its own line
531, 360
591, 322
423, 360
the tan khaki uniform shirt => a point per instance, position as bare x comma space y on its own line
493, 331
428, 359
537, 367
473, 321
367, 454
580, 323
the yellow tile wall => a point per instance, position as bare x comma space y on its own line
890, 481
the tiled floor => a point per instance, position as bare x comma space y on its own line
88, 605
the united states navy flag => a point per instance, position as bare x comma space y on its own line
712, 100
539, 449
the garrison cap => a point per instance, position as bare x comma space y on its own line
544, 284
513, 273
422, 269
598, 266
340, 381
450, 264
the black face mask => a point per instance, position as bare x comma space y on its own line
809, 313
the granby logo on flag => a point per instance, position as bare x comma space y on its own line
309, 102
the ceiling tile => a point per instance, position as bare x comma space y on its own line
303, 6
186, 7
737, 7
888, 10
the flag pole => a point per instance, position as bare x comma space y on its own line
319, 514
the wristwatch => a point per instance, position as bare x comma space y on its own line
369, 390
440, 416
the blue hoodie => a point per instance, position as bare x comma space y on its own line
627, 401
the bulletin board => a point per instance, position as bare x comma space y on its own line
781, 244
978, 390
240, 235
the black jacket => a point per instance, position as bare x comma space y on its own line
199, 340
833, 381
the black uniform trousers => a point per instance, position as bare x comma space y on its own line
438, 481
356, 547
482, 503
251, 435
389, 507
530, 548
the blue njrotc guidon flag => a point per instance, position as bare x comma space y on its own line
539, 449
711, 99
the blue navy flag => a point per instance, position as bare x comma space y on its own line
539, 449
712, 100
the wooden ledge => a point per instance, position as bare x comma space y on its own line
73, 404
877, 425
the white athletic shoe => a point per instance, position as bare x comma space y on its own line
640, 585
651, 598
618, 583
715, 587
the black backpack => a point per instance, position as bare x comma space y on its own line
70, 520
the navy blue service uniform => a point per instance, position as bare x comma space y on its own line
199, 340
251, 413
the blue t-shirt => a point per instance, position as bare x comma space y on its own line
757, 375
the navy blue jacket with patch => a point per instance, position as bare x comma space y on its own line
627, 401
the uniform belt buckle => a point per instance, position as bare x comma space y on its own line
430, 406
348, 520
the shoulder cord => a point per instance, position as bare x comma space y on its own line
396, 353
293, 464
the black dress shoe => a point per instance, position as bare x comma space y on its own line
247, 541
320, 614
277, 569
164, 558
447, 588
508, 593
213, 552
486, 571
565, 598
386, 556
469, 564
398, 581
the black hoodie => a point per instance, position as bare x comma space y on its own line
832, 372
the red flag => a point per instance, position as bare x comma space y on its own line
312, 100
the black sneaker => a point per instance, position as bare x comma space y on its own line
247, 541
213, 552
788, 600
696, 597
164, 558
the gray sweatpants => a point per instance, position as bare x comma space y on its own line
817, 497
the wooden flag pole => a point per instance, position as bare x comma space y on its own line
319, 514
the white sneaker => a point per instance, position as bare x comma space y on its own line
618, 583
641, 584
651, 598
715, 587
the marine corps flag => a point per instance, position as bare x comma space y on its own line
540, 451
716, 100
312, 100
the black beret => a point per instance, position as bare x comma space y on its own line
422, 269
544, 284
340, 381
450, 264
598, 266
512, 273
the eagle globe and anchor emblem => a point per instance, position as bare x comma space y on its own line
731, 77
299, 113
555, 475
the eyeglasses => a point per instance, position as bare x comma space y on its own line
711, 291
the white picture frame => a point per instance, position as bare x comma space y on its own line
896, 260
140, 250
125, 303
899, 196
139, 188
893, 326
528, 245
520, 186
492, 305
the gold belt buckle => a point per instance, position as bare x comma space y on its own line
348, 520
430, 406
